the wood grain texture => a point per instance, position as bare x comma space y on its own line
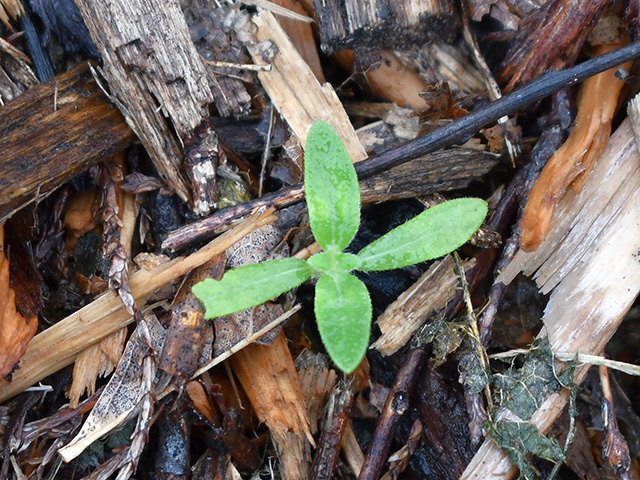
47, 138
374, 24
155, 75
589, 261
294, 90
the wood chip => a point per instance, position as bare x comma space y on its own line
590, 262
15, 330
293, 88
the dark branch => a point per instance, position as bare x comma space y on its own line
456, 132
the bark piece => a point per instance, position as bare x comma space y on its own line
202, 156
317, 382
574, 160
59, 345
269, 378
561, 27
338, 410
293, 88
155, 74
589, 260
53, 132
218, 33
15, 330
374, 24
185, 338
15, 74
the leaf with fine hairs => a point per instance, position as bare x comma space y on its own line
248, 286
331, 186
343, 313
432, 234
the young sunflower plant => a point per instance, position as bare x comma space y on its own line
342, 303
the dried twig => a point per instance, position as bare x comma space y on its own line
395, 407
456, 132
338, 410
615, 450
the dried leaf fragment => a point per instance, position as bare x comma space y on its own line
15, 330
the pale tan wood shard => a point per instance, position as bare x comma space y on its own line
590, 259
59, 345
294, 90
410, 310
153, 71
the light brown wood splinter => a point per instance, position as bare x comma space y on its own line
576, 156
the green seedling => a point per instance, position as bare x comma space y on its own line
342, 302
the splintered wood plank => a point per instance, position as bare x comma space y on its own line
270, 380
58, 346
293, 87
53, 132
155, 75
590, 262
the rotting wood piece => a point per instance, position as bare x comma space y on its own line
155, 75
58, 346
53, 132
186, 334
375, 24
561, 27
217, 44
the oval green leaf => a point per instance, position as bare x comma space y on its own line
343, 313
432, 234
331, 186
248, 286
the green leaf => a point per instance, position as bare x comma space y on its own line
334, 263
343, 314
248, 286
432, 234
331, 186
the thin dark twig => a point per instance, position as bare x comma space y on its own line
325, 459
460, 130
396, 405
456, 132
266, 153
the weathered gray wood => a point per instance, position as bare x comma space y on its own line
154, 73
